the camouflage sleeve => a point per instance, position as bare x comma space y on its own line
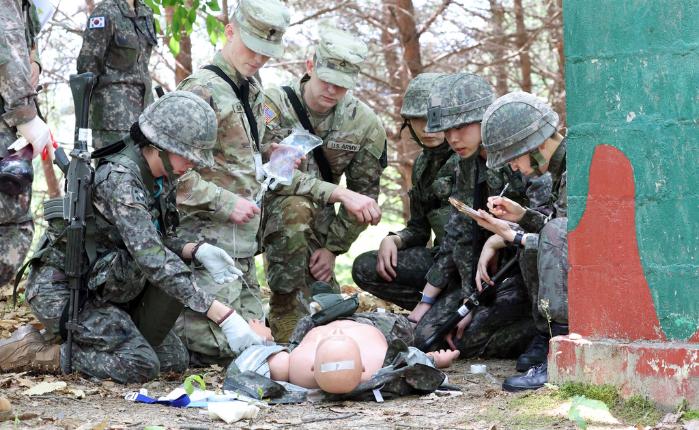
363, 176
418, 230
127, 209
198, 194
15, 73
195, 192
306, 185
535, 219
96, 41
175, 244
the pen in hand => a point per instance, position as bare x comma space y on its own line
504, 189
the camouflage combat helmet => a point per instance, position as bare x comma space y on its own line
417, 95
183, 124
514, 125
457, 100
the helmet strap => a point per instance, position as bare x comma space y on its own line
166, 163
406, 123
537, 159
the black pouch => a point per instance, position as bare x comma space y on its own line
342, 308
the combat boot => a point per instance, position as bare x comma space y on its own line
535, 354
535, 378
26, 350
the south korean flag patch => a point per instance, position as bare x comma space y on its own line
96, 22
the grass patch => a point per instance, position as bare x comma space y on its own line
692, 414
528, 411
634, 410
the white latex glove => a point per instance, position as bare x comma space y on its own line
239, 334
218, 263
36, 133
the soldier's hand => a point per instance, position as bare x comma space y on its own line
244, 211
504, 208
218, 263
487, 260
365, 209
259, 327
322, 264
458, 331
238, 333
275, 146
495, 225
37, 134
387, 258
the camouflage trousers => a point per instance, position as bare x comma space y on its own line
405, 290
108, 343
501, 330
294, 228
545, 273
204, 338
102, 138
16, 226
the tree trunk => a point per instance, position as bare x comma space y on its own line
498, 46
524, 58
183, 60
90, 6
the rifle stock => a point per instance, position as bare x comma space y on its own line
78, 197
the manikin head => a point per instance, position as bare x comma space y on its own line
338, 363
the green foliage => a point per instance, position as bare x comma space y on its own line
184, 17
692, 414
189, 388
634, 410
607, 394
637, 410
578, 402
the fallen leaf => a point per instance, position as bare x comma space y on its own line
45, 387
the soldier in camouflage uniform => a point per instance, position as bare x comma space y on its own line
218, 203
302, 238
396, 272
137, 272
456, 106
117, 45
19, 70
521, 130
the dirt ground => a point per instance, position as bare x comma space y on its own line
481, 405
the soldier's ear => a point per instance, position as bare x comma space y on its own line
229, 30
309, 66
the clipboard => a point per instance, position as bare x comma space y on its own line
464, 208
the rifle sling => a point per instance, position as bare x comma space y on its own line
302, 114
243, 100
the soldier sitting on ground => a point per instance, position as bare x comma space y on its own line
456, 107
138, 280
396, 272
521, 130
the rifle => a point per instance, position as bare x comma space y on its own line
78, 197
473, 301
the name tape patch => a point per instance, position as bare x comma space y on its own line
344, 146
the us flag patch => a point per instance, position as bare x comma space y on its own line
96, 22
269, 114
